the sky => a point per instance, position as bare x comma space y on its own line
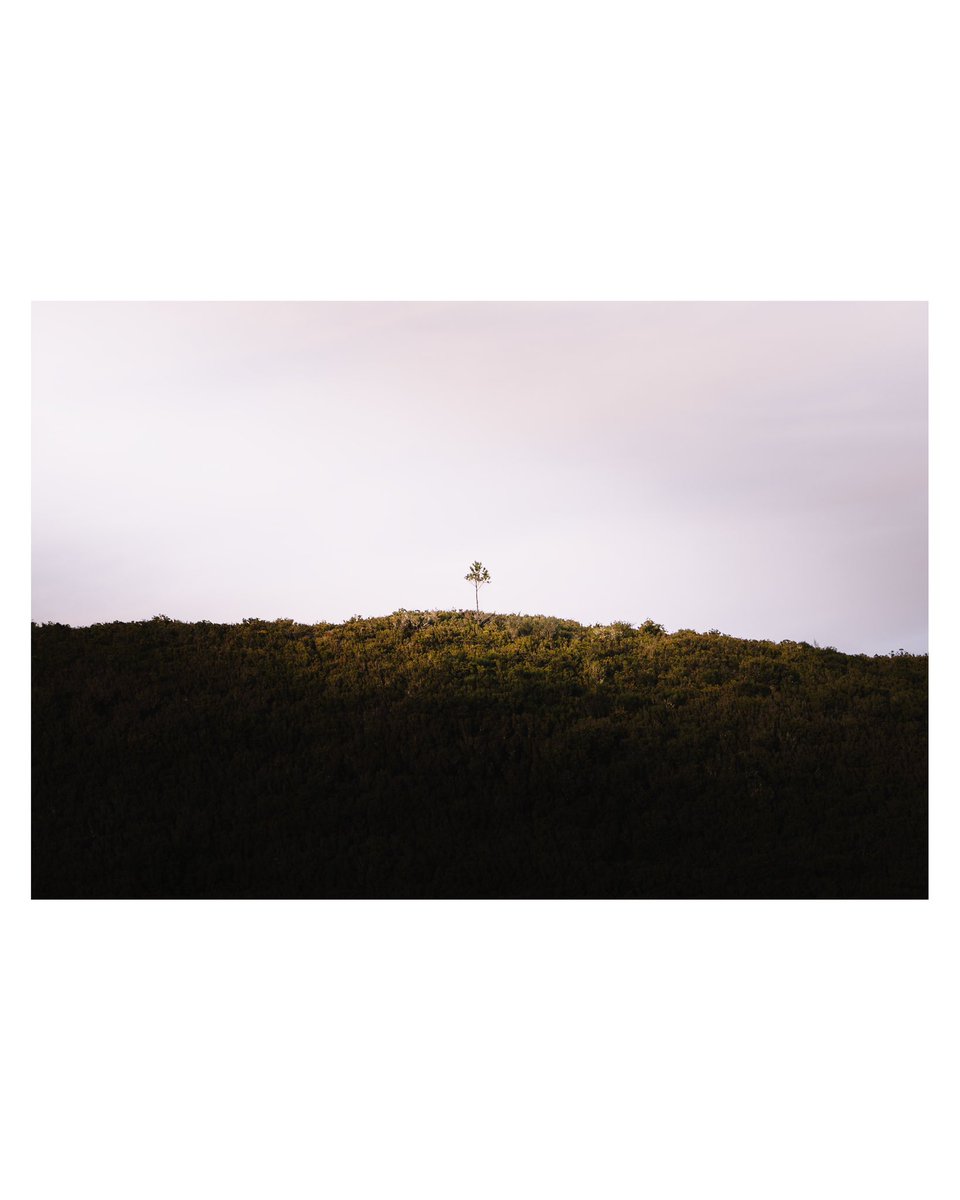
757, 468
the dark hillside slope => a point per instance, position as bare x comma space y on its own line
427, 755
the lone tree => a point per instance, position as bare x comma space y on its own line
479, 575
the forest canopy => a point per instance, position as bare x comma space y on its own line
450, 754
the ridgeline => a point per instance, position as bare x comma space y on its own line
434, 754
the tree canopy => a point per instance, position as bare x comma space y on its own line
425, 754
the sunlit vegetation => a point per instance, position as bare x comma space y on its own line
442, 754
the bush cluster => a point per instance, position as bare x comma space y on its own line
442, 754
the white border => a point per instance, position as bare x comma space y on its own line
444, 151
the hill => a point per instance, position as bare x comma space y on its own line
436, 755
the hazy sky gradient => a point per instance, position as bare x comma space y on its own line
757, 468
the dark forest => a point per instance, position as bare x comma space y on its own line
457, 755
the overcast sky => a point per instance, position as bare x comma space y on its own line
756, 468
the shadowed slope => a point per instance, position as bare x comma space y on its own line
441, 755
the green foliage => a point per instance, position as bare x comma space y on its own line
439, 753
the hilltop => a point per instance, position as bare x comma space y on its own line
435, 754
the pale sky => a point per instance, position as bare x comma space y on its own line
757, 468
